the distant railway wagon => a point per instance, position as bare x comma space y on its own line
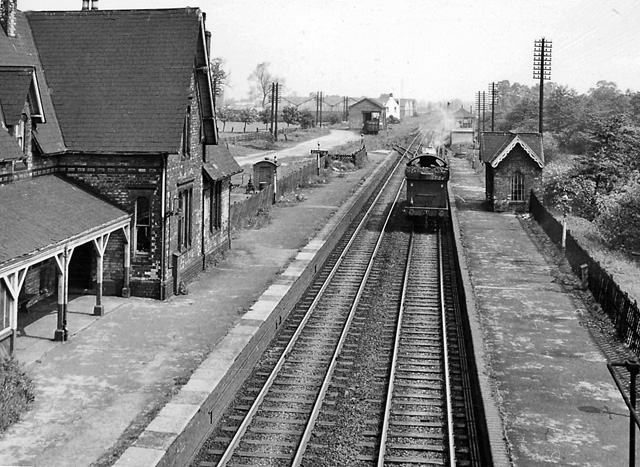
371, 127
427, 176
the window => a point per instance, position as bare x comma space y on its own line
143, 225
185, 219
214, 193
186, 135
517, 187
20, 132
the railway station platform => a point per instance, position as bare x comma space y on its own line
123, 390
551, 395
129, 388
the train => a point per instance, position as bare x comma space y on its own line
427, 177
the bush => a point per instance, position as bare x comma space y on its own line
392, 120
16, 392
306, 120
619, 218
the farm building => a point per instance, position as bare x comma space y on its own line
97, 197
513, 168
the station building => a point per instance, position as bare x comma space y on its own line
111, 177
513, 168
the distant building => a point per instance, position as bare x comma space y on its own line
513, 168
463, 128
391, 106
366, 110
407, 108
111, 177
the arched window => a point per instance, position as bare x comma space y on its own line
143, 225
517, 187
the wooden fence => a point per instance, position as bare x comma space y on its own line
622, 310
262, 200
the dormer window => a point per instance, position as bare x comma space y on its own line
20, 132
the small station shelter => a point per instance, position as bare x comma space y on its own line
366, 110
513, 168
265, 172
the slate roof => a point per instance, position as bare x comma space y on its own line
9, 147
45, 211
119, 79
14, 88
495, 146
21, 51
370, 101
220, 163
463, 113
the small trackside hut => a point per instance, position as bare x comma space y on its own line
427, 176
513, 168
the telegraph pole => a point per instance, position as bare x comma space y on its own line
478, 107
541, 69
484, 108
492, 96
275, 112
273, 98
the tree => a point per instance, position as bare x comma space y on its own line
247, 116
225, 114
260, 81
219, 77
290, 115
306, 120
265, 117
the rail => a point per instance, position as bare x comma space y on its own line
251, 413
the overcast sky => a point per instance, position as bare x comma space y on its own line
423, 49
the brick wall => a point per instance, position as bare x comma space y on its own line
517, 160
121, 180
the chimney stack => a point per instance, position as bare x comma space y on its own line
89, 5
8, 9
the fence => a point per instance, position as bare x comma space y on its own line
622, 310
357, 158
254, 135
262, 200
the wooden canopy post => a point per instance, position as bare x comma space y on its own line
13, 283
100, 244
126, 291
62, 261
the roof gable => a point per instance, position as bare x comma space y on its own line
121, 81
371, 101
463, 113
497, 146
14, 89
20, 51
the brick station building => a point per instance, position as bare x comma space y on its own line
513, 168
111, 177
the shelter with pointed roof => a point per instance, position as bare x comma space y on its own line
513, 168
111, 176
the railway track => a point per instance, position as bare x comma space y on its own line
321, 394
